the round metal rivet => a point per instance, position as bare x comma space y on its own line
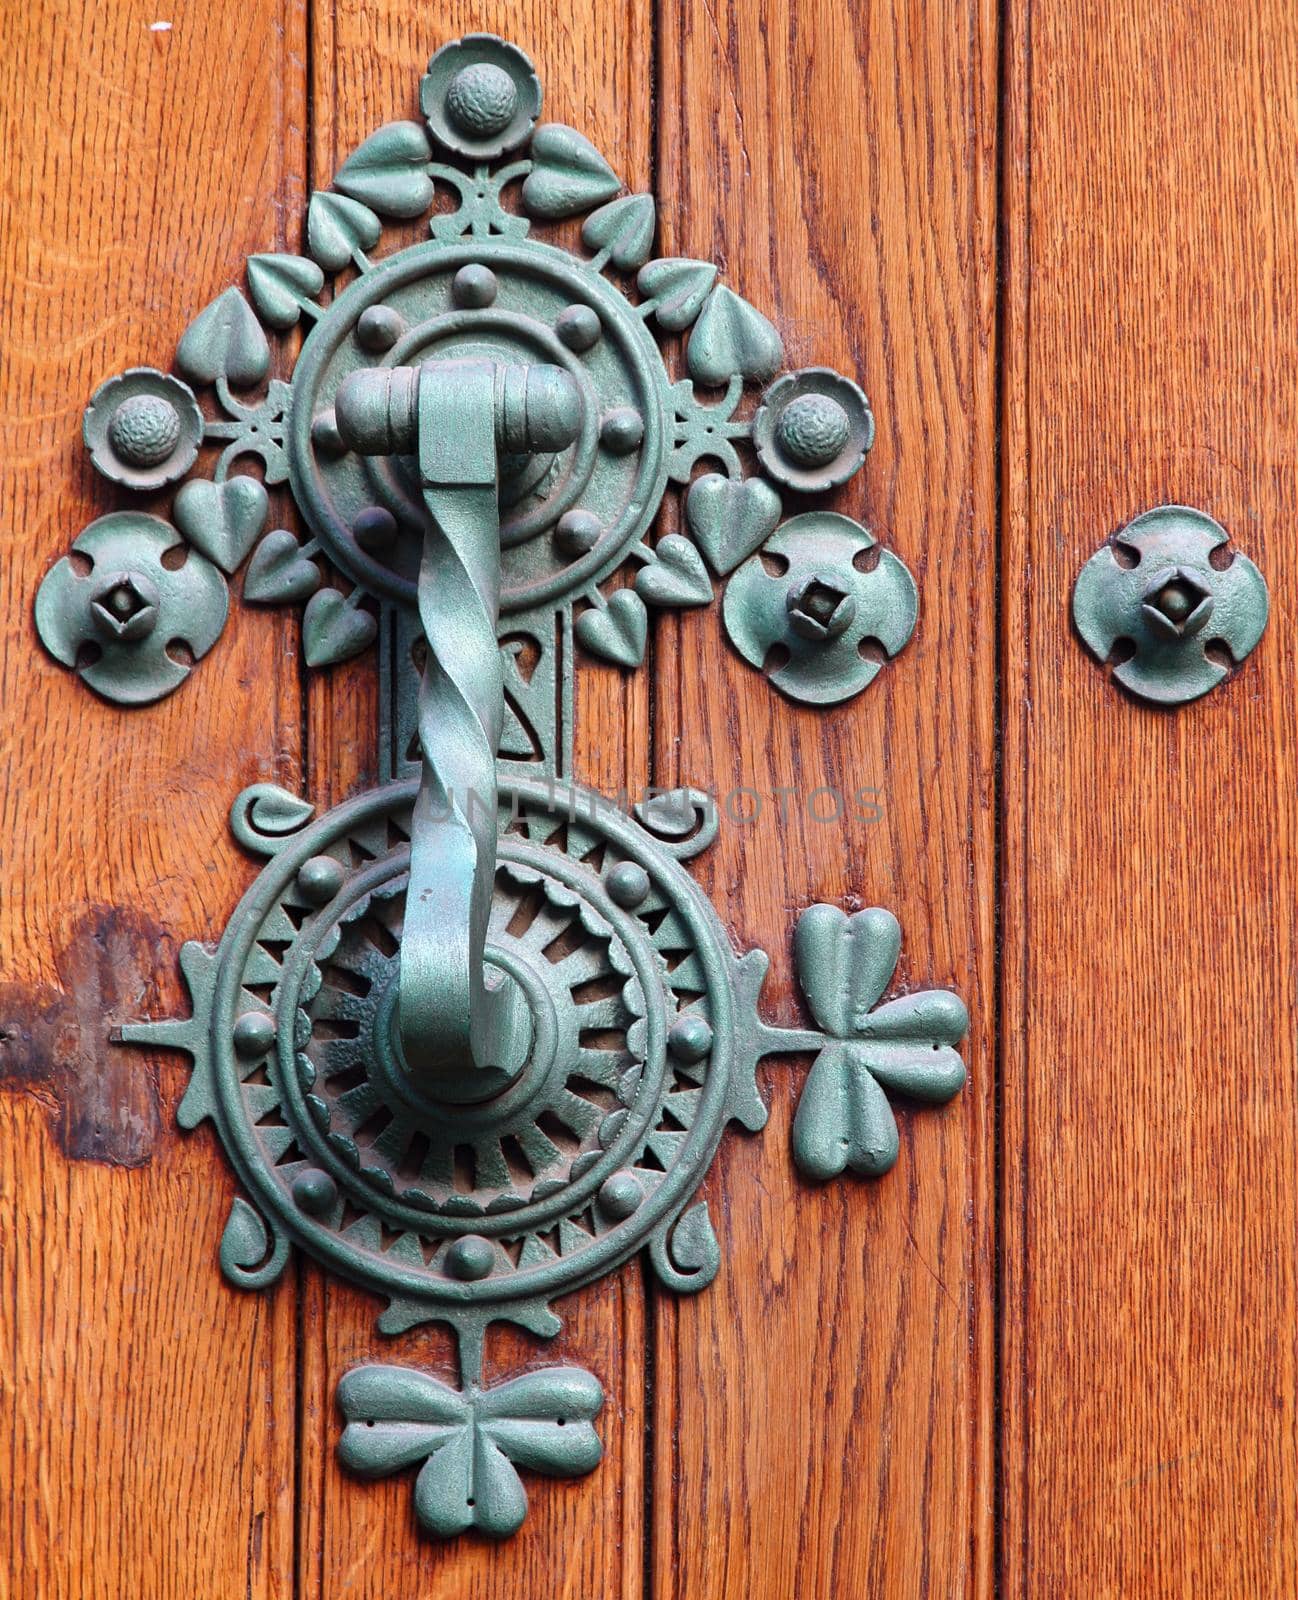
253, 1035
1176, 602
379, 327
325, 435
320, 879
820, 608
474, 286
577, 532
620, 1196
314, 1192
579, 328
125, 607
374, 529
690, 1037
470, 1258
627, 884
481, 100
621, 430
813, 430
144, 430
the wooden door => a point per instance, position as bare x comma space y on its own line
1051, 1353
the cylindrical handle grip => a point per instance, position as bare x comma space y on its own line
377, 410
536, 408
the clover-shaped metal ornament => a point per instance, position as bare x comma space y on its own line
478, 434
469, 1442
1161, 587
906, 1045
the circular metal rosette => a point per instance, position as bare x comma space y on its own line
813, 430
132, 608
567, 518
481, 96
143, 428
821, 608
641, 1051
1165, 588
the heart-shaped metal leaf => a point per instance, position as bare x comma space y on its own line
624, 228
568, 174
676, 576
678, 287
730, 518
278, 285
222, 520
845, 963
225, 341
388, 172
333, 630
843, 1118
732, 339
618, 631
399, 1394
338, 228
279, 574
694, 1247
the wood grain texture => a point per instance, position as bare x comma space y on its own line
823, 1419
1151, 1091
148, 1446
586, 1537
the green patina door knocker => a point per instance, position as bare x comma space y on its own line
471, 1039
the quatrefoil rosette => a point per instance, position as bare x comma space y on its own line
644, 1027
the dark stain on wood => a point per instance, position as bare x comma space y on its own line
55, 1041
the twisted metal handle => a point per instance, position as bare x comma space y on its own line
459, 1037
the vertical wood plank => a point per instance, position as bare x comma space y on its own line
1151, 1090
583, 1538
823, 1418
147, 1408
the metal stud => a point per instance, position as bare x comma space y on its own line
474, 286
374, 529
621, 1195
579, 328
470, 1258
690, 1037
253, 1035
315, 1192
627, 884
622, 430
320, 879
378, 328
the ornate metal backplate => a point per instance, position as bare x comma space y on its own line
639, 1031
